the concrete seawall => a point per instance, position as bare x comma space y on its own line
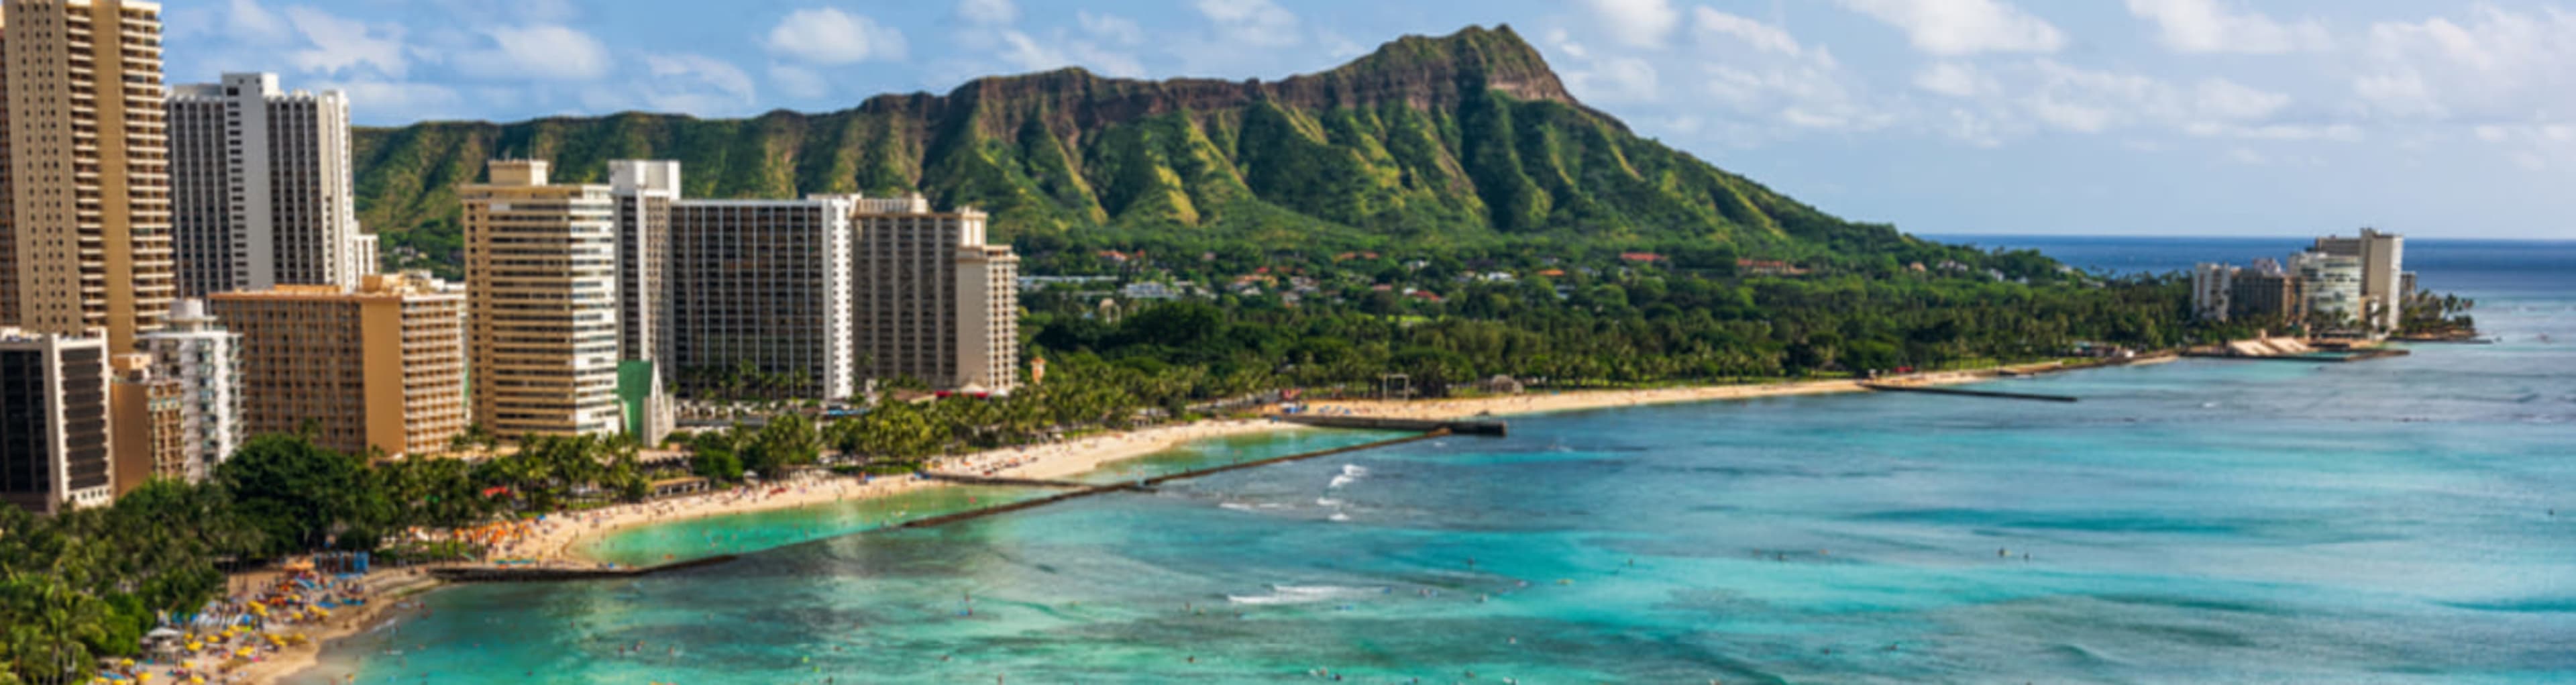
538, 573
1492, 428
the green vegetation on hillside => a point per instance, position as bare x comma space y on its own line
1457, 140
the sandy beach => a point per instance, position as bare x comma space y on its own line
561, 538
1542, 402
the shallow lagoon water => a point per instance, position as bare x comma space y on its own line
2201, 521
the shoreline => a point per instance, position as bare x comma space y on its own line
562, 538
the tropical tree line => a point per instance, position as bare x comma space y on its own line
86, 584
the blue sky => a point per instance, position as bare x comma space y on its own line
2178, 117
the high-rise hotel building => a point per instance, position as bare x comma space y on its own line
205, 359
85, 236
644, 190
933, 302
54, 446
761, 286
541, 275
2381, 258
261, 187
378, 366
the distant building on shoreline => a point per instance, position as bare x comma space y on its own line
2380, 263
2355, 280
55, 447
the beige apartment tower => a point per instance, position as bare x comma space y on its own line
541, 272
930, 300
2381, 258
379, 366
260, 187
85, 237
144, 410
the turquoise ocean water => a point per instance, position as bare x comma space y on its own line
2194, 522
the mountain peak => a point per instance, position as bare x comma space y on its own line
1496, 57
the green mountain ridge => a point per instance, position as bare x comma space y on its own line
1451, 139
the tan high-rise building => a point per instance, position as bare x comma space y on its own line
145, 411
2382, 260
85, 238
541, 274
260, 186
931, 301
380, 366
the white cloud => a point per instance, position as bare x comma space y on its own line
1639, 23
824, 35
1109, 27
695, 73
338, 45
1955, 79
2493, 64
2207, 26
1960, 27
1774, 84
385, 100
1716, 25
684, 83
537, 52
246, 20
1339, 46
1614, 80
2220, 98
988, 11
1565, 44
798, 81
2344, 133
1027, 54
1251, 22
2089, 101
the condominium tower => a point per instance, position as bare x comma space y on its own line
378, 366
144, 412
763, 287
2381, 258
85, 235
931, 301
260, 187
54, 442
205, 359
541, 270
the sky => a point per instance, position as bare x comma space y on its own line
2132, 117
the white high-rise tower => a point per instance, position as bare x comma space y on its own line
260, 187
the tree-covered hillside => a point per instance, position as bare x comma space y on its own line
1450, 140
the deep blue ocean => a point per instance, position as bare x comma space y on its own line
2408, 520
